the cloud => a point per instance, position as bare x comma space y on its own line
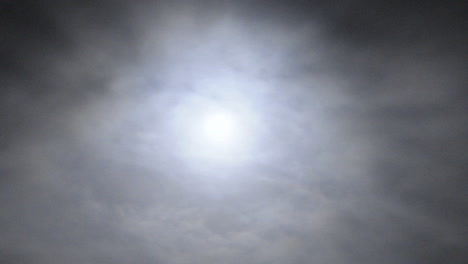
359, 118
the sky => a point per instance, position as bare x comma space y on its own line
292, 132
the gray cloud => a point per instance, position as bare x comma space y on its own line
358, 153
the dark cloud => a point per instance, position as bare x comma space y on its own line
357, 110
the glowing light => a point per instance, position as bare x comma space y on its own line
219, 129
210, 132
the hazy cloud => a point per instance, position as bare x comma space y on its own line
357, 110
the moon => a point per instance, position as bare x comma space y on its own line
220, 129
213, 132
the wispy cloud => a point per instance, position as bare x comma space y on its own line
358, 122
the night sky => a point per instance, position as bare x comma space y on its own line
228, 132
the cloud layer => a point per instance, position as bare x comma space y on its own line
360, 130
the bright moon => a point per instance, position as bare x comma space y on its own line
219, 129
218, 132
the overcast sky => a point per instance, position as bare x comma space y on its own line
348, 147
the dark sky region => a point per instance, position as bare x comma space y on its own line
348, 144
